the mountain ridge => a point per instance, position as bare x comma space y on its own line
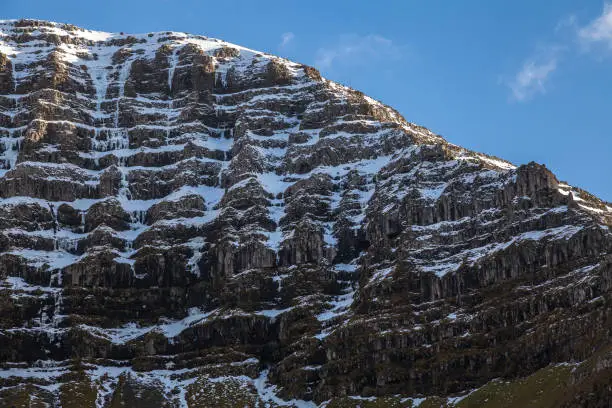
181, 215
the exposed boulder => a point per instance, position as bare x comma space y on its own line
108, 212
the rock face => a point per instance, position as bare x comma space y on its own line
182, 219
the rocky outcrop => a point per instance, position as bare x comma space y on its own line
185, 221
108, 212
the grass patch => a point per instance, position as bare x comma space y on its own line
224, 394
543, 389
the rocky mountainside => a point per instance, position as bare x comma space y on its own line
189, 223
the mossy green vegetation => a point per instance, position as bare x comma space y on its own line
78, 394
543, 389
230, 393
547, 388
385, 402
550, 387
390, 402
134, 394
26, 396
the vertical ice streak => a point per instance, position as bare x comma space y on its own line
58, 301
14, 76
99, 78
172, 68
10, 144
117, 138
124, 73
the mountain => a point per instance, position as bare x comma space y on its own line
190, 223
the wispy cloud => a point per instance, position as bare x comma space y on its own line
286, 38
531, 79
569, 37
357, 49
598, 31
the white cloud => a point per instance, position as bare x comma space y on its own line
286, 38
357, 49
532, 78
598, 31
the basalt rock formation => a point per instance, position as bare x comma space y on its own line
189, 223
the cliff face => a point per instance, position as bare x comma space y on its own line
189, 223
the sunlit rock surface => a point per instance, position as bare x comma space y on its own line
189, 223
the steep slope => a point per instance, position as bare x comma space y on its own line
184, 219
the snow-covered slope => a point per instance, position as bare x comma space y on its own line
203, 213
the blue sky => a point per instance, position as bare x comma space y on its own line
520, 79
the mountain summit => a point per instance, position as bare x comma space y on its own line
186, 222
